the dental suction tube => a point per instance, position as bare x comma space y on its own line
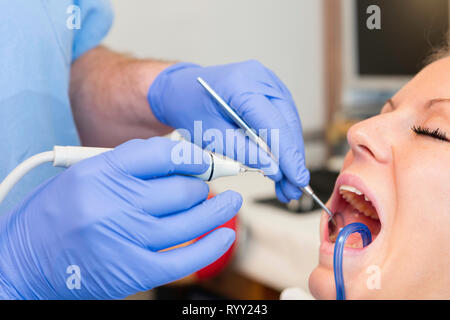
339, 252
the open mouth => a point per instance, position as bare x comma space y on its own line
353, 206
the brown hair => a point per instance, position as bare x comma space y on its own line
440, 52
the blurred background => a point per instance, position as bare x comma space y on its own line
341, 59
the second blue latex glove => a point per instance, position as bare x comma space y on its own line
257, 95
108, 218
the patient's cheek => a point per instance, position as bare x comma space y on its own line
347, 160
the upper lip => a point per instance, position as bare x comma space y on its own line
358, 183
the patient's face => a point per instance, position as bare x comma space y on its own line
404, 178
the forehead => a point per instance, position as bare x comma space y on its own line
433, 81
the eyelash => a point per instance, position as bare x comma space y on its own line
437, 133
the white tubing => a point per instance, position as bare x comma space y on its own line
69, 155
22, 170
60, 156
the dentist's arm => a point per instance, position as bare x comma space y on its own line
108, 93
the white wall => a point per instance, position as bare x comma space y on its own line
285, 35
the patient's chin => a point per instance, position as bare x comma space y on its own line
321, 284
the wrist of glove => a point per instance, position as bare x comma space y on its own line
156, 92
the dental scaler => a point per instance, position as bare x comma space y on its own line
65, 156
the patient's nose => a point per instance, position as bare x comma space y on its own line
369, 139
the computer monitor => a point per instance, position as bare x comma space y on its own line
387, 58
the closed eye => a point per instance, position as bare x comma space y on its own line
436, 133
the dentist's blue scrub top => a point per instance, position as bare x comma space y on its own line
38, 44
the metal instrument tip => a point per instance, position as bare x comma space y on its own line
245, 169
308, 190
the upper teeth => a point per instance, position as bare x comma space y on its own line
351, 189
350, 194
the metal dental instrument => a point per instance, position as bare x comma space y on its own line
259, 141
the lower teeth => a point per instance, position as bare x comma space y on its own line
354, 245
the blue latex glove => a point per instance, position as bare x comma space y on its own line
256, 94
109, 216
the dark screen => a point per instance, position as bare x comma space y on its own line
409, 31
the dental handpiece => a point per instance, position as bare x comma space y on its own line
259, 141
219, 166
65, 156
223, 167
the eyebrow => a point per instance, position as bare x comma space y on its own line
437, 100
391, 103
429, 104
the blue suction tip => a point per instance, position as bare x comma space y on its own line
339, 252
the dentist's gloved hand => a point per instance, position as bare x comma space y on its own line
257, 95
108, 217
